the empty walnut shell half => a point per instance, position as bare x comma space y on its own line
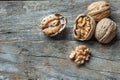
84, 27
99, 10
80, 55
53, 24
105, 30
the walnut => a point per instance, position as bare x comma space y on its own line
99, 10
53, 24
105, 30
84, 27
80, 55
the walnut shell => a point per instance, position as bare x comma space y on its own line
105, 30
84, 27
99, 10
53, 24
80, 55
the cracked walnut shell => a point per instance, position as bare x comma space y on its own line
84, 27
53, 24
80, 55
99, 10
105, 30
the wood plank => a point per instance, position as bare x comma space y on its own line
27, 54
20, 20
49, 60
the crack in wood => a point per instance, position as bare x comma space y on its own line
49, 56
102, 70
105, 58
3, 53
7, 32
86, 68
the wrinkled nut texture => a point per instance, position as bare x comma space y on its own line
99, 10
80, 55
84, 27
53, 24
105, 30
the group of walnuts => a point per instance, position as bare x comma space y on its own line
96, 22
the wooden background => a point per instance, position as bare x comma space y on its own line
27, 54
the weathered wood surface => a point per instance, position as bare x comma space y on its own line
27, 54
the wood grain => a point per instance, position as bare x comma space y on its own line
27, 54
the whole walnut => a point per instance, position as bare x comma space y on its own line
99, 10
84, 27
53, 24
105, 30
80, 55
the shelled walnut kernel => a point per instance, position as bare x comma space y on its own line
84, 27
80, 55
53, 24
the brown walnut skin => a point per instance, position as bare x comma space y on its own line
84, 27
80, 55
99, 10
105, 30
53, 24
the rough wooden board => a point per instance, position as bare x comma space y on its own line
49, 60
20, 20
27, 54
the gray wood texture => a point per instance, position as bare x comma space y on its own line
27, 54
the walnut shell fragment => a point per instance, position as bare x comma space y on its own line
80, 55
105, 30
84, 27
99, 10
53, 24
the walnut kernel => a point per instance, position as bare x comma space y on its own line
53, 24
80, 55
84, 27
